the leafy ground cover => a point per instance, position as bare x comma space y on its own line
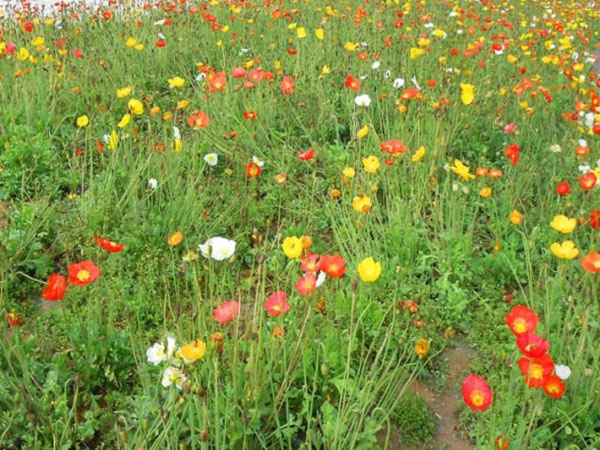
256, 224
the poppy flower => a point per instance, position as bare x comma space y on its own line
554, 386
287, 85
307, 155
512, 153
199, 119
521, 319
563, 224
83, 273
175, 239
588, 181
276, 304
515, 217
371, 164
253, 170
565, 250
14, 319
226, 311
595, 219
369, 270
532, 345
536, 370
333, 265
238, 72
307, 284
55, 287
563, 188
591, 262
250, 115
216, 81
352, 83
218, 248
362, 203
311, 263
109, 245
394, 147
476, 393
422, 347
292, 247
467, 96
193, 351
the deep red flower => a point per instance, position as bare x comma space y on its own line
588, 181
476, 393
250, 115
287, 85
554, 386
536, 370
352, 83
591, 262
55, 287
14, 319
563, 188
393, 147
28, 26
512, 153
109, 245
226, 311
253, 170
307, 155
532, 345
307, 284
161, 43
333, 265
82, 273
595, 219
276, 304
521, 319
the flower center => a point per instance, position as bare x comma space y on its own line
477, 398
83, 275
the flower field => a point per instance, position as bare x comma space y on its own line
256, 225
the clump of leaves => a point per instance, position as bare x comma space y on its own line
414, 420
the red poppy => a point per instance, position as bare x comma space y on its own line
595, 219
82, 273
554, 386
352, 83
55, 287
410, 93
310, 263
512, 153
307, 155
28, 26
199, 119
287, 85
591, 262
226, 311
563, 188
253, 170
394, 147
161, 43
532, 345
14, 319
250, 115
333, 265
77, 53
588, 181
255, 75
109, 245
307, 284
276, 304
238, 72
476, 393
216, 81
521, 319
536, 370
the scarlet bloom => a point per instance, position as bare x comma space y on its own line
595, 219
536, 370
216, 81
287, 85
276, 304
591, 262
253, 170
14, 319
334, 266
512, 153
352, 83
532, 345
563, 188
226, 311
307, 155
238, 72
198, 119
521, 319
394, 147
55, 287
554, 386
307, 284
476, 393
28, 26
82, 273
250, 115
588, 181
109, 245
